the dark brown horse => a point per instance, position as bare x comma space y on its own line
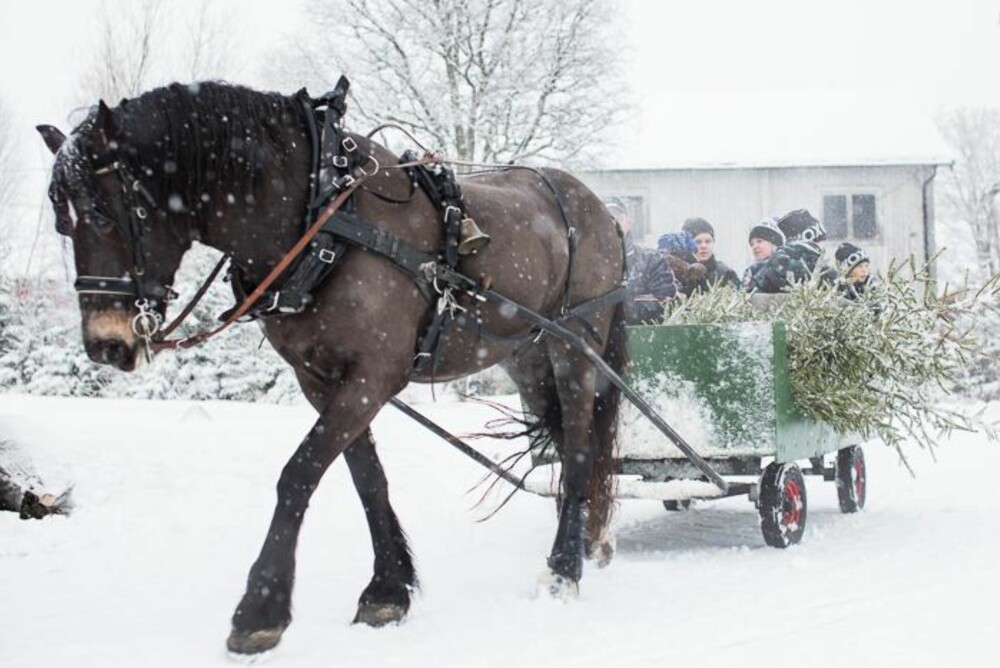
134, 186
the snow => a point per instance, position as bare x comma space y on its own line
171, 508
743, 354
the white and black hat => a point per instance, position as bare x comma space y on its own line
768, 230
849, 256
800, 225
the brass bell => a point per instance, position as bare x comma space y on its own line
471, 239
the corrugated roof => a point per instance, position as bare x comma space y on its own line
762, 130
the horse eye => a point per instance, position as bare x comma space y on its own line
99, 223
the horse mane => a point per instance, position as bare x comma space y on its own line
194, 138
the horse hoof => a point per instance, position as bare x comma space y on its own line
253, 642
602, 550
379, 614
557, 587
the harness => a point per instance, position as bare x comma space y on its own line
338, 168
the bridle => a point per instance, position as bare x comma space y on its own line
145, 294
136, 199
147, 325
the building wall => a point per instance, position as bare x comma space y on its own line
734, 199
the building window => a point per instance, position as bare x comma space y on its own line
857, 221
835, 217
863, 215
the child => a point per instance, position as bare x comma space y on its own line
855, 270
716, 272
765, 239
678, 249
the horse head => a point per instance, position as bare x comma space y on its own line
125, 251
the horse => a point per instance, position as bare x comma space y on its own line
135, 185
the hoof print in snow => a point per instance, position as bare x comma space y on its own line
557, 587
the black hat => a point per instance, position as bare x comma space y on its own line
696, 226
801, 225
768, 230
849, 256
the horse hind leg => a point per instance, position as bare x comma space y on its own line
575, 382
386, 599
589, 409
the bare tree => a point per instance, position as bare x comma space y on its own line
9, 177
211, 37
484, 80
121, 65
970, 190
140, 45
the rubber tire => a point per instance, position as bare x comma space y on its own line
782, 505
673, 505
851, 479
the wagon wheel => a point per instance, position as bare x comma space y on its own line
852, 479
782, 504
674, 505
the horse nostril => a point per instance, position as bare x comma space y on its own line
110, 351
118, 353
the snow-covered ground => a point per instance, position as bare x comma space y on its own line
173, 500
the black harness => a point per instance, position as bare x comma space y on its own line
136, 285
335, 158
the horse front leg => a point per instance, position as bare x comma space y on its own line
386, 599
265, 609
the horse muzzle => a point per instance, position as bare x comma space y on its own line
113, 352
108, 339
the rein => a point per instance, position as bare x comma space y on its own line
289, 257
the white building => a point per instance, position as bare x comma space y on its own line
865, 171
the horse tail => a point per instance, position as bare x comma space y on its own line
600, 486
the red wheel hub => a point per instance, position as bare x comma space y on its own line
859, 479
792, 507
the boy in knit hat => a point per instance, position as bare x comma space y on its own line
799, 257
855, 272
765, 239
803, 233
716, 273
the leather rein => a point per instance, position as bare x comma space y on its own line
162, 343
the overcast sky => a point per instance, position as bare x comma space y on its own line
934, 53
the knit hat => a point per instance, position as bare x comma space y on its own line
849, 256
676, 243
801, 225
768, 230
696, 226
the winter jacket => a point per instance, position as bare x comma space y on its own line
649, 282
854, 291
716, 273
792, 263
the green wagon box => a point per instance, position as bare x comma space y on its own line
726, 391
724, 388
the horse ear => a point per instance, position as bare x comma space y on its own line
52, 136
106, 123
